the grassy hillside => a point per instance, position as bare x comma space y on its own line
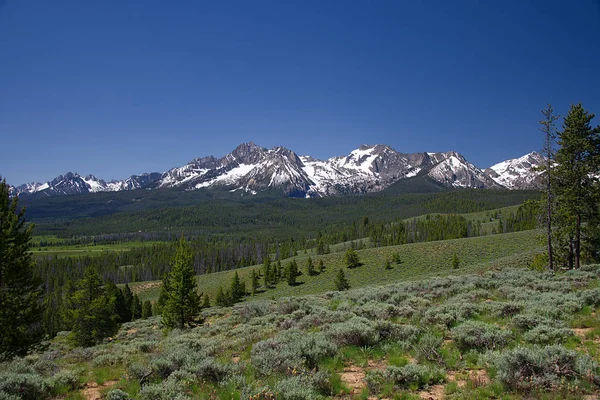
419, 260
504, 334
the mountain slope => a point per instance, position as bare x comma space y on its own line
518, 173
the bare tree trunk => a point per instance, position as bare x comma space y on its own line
570, 257
578, 242
549, 130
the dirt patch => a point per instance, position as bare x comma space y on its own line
479, 377
137, 289
581, 332
132, 331
354, 376
92, 389
451, 377
435, 392
235, 359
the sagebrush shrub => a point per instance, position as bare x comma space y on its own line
413, 376
296, 388
117, 394
165, 390
547, 334
356, 331
480, 336
543, 367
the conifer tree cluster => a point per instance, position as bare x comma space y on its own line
573, 190
20, 291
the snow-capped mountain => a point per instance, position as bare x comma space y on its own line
366, 169
73, 183
519, 173
252, 168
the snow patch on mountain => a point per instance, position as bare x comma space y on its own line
519, 173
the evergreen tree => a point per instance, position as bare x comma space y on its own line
575, 180
91, 311
146, 309
253, 282
223, 298
388, 264
205, 301
20, 291
238, 289
280, 272
136, 308
455, 261
310, 267
292, 273
320, 267
549, 130
128, 302
267, 271
123, 313
351, 258
341, 283
182, 303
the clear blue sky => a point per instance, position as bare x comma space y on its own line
117, 87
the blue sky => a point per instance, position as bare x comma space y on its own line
118, 87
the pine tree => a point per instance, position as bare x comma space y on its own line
253, 282
310, 267
320, 267
205, 301
292, 273
146, 309
267, 272
223, 298
238, 289
128, 302
341, 282
351, 258
136, 308
455, 261
182, 303
91, 311
20, 291
575, 180
123, 313
388, 264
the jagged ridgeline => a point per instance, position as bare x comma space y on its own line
252, 169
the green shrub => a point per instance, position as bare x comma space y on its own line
291, 350
389, 331
24, 385
547, 334
548, 367
296, 388
480, 336
356, 331
117, 394
65, 378
169, 389
413, 376
429, 348
530, 320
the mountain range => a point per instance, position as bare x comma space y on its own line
251, 168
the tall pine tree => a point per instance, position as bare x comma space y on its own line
20, 291
182, 302
575, 180
91, 312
